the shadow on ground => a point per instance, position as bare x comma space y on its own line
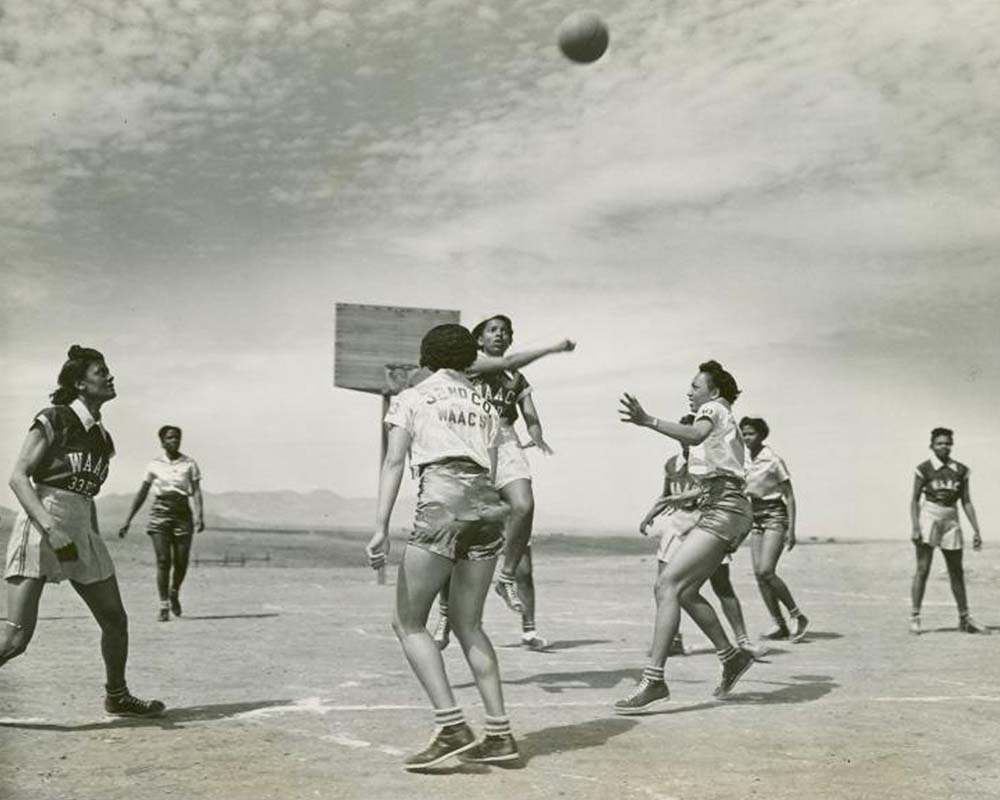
568, 644
808, 689
231, 616
173, 718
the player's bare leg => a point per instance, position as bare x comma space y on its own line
722, 585
956, 575
771, 548
526, 591
925, 555
23, 595
780, 629
521, 499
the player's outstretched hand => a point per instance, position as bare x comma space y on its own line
977, 542
377, 550
566, 346
631, 410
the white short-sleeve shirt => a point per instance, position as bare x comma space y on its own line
722, 452
446, 417
173, 477
765, 474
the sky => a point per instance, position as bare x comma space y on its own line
803, 191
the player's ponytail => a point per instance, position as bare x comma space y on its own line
77, 360
721, 380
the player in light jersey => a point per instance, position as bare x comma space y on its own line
61, 467
496, 374
942, 482
717, 456
679, 499
773, 501
174, 478
449, 431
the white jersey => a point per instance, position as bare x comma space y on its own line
723, 451
765, 475
446, 417
179, 476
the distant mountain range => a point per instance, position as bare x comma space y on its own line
281, 509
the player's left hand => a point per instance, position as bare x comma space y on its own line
542, 445
631, 410
791, 541
377, 550
977, 542
200, 526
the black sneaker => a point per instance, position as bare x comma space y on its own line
447, 742
493, 750
732, 670
164, 615
126, 705
175, 604
969, 625
801, 626
508, 593
777, 632
646, 695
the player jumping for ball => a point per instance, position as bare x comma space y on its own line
450, 433
61, 467
679, 499
773, 500
717, 458
174, 477
496, 374
941, 482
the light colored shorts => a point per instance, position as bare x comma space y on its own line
675, 528
512, 463
460, 515
725, 510
770, 515
29, 554
940, 526
171, 515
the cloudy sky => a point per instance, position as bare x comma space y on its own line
804, 191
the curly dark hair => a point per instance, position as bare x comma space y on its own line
758, 424
78, 360
448, 347
721, 380
942, 432
166, 429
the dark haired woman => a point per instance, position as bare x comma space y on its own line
449, 432
717, 458
942, 482
773, 501
61, 467
174, 478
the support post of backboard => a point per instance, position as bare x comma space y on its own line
380, 572
376, 349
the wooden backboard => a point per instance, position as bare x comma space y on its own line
367, 338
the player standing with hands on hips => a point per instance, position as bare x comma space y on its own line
174, 478
942, 482
449, 431
61, 467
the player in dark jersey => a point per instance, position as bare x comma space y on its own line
679, 499
942, 482
62, 464
498, 378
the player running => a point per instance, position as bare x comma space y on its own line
62, 465
773, 500
679, 499
497, 376
717, 458
450, 432
942, 482
174, 478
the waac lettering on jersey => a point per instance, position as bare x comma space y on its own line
88, 473
451, 416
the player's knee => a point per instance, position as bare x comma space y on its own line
115, 622
465, 630
163, 562
764, 575
666, 587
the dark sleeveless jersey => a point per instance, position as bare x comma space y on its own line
677, 480
76, 459
503, 390
944, 484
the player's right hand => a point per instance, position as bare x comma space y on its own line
67, 553
377, 550
123, 530
915, 535
644, 525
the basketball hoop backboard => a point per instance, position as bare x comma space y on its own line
368, 338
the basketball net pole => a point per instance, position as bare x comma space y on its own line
380, 573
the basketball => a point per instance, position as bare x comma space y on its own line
583, 37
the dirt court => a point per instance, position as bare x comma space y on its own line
283, 680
